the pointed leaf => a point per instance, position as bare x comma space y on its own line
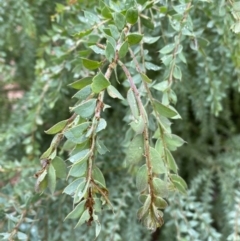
132, 15
98, 176
164, 110
135, 150
145, 78
160, 187
79, 84
91, 64
167, 49
113, 92
86, 109
132, 103
134, 38
51, 178
157, 162
77, 211
123, 50
99, 83
119, 20
57, 127
142, 178
109, 52
60, 167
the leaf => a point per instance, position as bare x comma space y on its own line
101, 125
147, 22
72, 187
97, 49
175, 178
60, 167
51, 176
98, 176
123, 50
162, 86
150, 40
86, 109
83, 93
166, 59
174, 141
57, 127
134, 38
113, 92
132, 103
177, 73
114, 31
160, 187
167, 49
109, 52
160, 202
132, 16
135, 150
171, 162
145, 78
77, 211
84, 218
76, 134
101, 148
157, 162
47, 153
164, 110
97, 229
80, 156
99, 83
144, 209
91, 64
142, 178
78, 169
119, 20
138, 125
40, 179
80, 84
106, 12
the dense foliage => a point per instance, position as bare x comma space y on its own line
115, 112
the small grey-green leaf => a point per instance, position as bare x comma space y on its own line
145, 78
157, 162
135, 150
160, 187
160, 202
109, 52
101, 125
164, 110
171, 162
83, 93
119, 20
57, 127
72, 187
138, 125
123, 50
80, 156
76, 134
162, 86
79, 84
167, 49
51, 176
91, 64
86, 109
142, 178
84, 218
77, 211
60, 167
132, 103
97, 175
99, 83
113, 92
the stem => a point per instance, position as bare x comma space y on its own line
145, 132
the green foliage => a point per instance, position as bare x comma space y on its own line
130, 108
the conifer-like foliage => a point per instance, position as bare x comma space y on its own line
120, 120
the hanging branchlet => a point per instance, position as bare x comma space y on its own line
157, 176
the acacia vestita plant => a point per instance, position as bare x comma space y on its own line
125, 102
